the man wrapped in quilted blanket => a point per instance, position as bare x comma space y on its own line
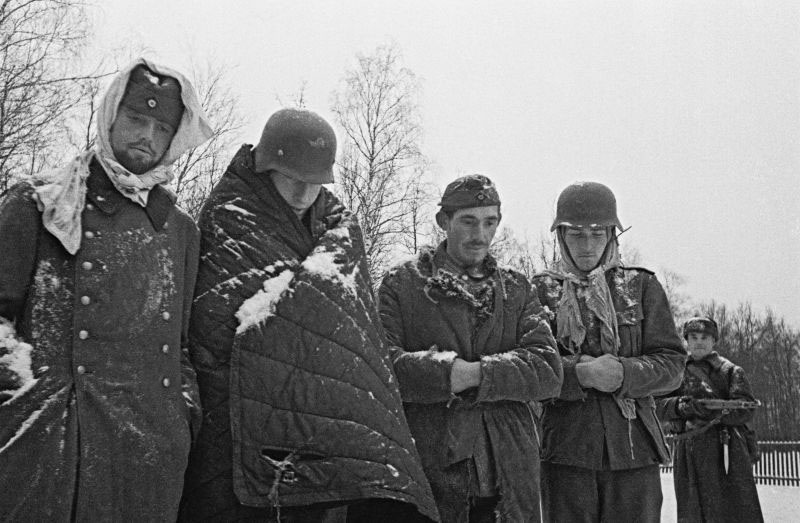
303, 419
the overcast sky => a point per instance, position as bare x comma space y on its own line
689, 111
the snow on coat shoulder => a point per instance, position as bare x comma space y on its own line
259, 307
327, 264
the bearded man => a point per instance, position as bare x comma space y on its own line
97, 397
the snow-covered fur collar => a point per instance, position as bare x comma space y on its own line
453, 286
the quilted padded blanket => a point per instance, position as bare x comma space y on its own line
286, 335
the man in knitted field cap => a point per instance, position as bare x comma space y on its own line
472, 352
715, 449
98, 400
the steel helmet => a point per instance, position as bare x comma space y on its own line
586, 204
299, 144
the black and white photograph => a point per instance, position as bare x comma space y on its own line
400, 262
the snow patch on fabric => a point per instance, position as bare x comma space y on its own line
330, 265
15, 357
259, 307
324, 264
28, 423
435, 355
501, 356
235, 208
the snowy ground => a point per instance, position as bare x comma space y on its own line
777, 503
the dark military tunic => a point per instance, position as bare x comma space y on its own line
585, 434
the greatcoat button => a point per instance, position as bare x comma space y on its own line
86, 300
87, 265
165, 315
81, 369
90, 206
165, 349
83, 335
165, 382
89, 234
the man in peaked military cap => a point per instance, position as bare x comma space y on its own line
471, 354
98, 400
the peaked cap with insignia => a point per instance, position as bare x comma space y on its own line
473, 190
154, 95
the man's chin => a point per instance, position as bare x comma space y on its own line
136, 166
474, 259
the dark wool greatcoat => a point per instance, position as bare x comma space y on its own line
703, 490
104, 432
585, 427
301, 405
429, 321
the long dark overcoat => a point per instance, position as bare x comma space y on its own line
704, 490
104, 431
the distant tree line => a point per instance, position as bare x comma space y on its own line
769, 351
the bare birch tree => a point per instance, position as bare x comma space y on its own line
40, 45
678, 300
769, 352
523, 254
381, 168
199, 169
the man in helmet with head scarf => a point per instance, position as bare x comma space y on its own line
302, 414
602, 443
715, 449
472, 353
97, 397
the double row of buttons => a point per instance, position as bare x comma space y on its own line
86, 300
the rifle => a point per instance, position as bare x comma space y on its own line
718, 404
725, 406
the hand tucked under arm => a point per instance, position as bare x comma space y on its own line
604, 373
464, 374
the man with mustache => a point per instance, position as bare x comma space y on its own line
602, 442
472, 352
98, 400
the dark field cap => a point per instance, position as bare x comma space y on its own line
154, 95
473, 190
701, 325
